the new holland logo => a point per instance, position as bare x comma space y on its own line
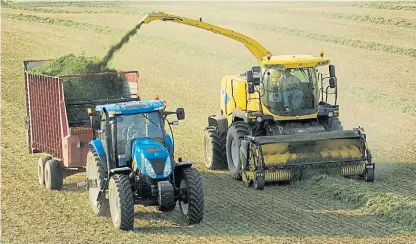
224, 96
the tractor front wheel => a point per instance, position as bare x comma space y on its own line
214, 148
235, 135
121, 202
96, 172
192, 207
53, 175
41, 168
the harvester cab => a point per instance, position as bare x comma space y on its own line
131, 161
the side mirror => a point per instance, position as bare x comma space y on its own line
180, 113
332, 82
250, 77
256, 69
331, 70
95, 122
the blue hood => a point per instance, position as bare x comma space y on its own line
150, 149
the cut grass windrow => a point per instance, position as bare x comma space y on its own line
103, 10
60, 22
373, 19
389, 206
404, 6
411, 52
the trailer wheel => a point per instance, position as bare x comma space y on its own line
41, 168
192, 207
96, 172
53, 175
235, 135
121, 202
214, 148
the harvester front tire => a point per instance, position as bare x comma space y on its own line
41, 168
53, 175
96, 170
192, 209
121, 202
369, 175
235, 135
214, 149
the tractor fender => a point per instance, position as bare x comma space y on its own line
98, 147
183, 165
219, 121
239, 115
178, 171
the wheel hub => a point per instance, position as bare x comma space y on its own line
184, 203
234, 152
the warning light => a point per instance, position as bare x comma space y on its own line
157, 97
321, 53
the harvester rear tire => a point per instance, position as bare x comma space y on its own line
214, 148
235, 135
41, 168
53, 175
192, 209
121, 202
369, 175
97, 170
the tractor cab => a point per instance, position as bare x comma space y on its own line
136, 128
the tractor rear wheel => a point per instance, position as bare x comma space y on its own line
121, 202
235, 135
41, 168
214, 148
192, 207
96, 172
53, 175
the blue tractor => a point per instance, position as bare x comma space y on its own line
131, 161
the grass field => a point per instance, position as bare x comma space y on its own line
372, 45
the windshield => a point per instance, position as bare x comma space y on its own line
144, 125
289, 91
